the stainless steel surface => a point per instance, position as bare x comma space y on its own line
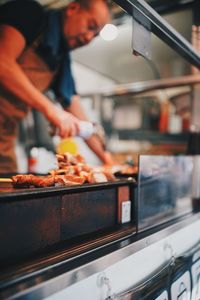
145, 86
93, 266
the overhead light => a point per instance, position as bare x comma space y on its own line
109, 32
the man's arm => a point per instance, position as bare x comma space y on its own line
93, 142
15, 82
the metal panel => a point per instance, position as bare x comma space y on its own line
164, 188
141, 41
88, 212
28, 226
125, 265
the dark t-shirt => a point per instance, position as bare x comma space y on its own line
31, 19
26, 16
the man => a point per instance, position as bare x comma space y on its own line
34, 55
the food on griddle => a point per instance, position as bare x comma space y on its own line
45, 181
31, 180
72, 170
129, 170
97, 177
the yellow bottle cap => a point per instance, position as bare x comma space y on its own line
67, 145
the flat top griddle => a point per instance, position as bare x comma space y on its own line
10, 192
37, 220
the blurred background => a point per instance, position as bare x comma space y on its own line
122, 92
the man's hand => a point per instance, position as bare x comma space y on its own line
109, 159
67, 124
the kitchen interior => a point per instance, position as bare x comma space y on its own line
136, 237
109, 65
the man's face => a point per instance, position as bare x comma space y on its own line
80, 26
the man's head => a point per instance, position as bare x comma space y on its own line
83, 20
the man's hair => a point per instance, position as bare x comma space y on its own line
89, 3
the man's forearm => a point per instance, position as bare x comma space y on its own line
76, 108
95, 144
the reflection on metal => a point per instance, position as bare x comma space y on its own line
146, 86
161, 29
164, 188
158, 278
34, 281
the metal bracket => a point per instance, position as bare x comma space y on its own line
141, 38
161, 29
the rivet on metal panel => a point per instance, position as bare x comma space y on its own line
104, 281
169, 251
